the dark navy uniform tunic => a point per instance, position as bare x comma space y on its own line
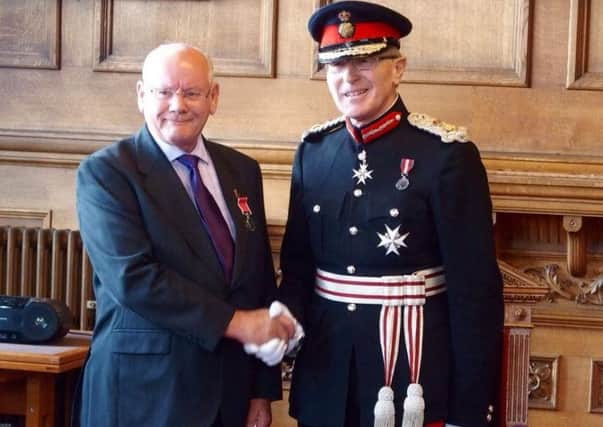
335, 222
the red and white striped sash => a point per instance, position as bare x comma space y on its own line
392, 293
408, 289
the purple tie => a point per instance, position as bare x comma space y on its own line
210, 216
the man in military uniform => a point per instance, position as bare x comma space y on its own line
388, 256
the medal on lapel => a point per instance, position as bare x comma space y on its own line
245, 210
362, 174
405, 167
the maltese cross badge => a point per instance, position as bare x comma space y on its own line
392, 240
362, 174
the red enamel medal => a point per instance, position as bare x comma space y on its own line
245, 210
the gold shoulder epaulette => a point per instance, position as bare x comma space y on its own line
323, 128
446, 131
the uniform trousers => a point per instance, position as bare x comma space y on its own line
218, 421
352, 409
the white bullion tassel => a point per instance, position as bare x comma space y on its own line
385, 413
390, 325
414, 406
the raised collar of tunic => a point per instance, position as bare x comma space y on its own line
387, 122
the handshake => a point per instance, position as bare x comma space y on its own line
272, 351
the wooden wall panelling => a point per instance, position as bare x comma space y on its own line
543, 375
576, 348
552, 185
567, 314
452, 47
239, 37
596, 386
562, 329
50, 147
520, 293
25, 217
50, 120
31, 34
576, 245
517, 377
585, 46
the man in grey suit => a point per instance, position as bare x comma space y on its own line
175, 229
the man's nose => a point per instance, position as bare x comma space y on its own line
177, 102
350, 72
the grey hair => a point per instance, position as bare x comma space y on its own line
391, 51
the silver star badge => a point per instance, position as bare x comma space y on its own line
362, 174
392, 240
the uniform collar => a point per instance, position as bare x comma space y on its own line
379, 127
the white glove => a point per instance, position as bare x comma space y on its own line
272, 351
276, 309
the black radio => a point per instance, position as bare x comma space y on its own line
33, 320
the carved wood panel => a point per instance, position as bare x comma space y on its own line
450, 47
30, 35
596, 386
543, 375
585, 53
239, 38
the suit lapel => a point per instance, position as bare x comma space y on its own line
230, 182
166, 189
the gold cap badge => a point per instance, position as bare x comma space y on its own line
346, 28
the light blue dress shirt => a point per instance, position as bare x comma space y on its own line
207, 171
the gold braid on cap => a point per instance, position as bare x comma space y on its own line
360, 50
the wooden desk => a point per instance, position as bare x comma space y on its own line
28, 374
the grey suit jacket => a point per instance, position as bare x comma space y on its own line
157, 356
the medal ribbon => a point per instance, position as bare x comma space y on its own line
243, 206
406, 165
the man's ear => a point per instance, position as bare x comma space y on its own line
399, 68
214, 95
140, 95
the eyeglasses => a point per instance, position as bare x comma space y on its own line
189, 95
367, 63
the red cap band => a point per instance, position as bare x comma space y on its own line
362, 30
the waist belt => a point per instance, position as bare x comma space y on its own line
408, 289
392, 293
